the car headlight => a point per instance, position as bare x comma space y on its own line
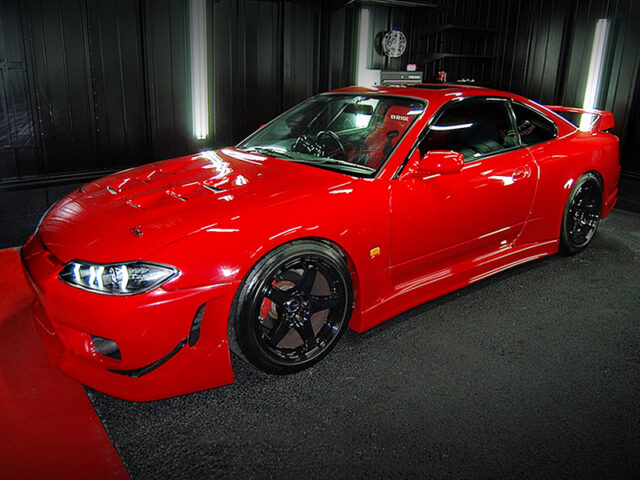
127, 278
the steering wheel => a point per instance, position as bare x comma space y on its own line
338, 147
307, 144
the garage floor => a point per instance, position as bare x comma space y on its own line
534, 373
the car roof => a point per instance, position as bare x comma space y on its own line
435, 93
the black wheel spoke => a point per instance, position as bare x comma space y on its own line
305, 330
278, 333
318, 304
278, 296
308, 279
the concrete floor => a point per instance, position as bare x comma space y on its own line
534, 373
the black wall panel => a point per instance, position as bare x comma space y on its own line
341, 47
301, 51
266, 58
246, 57
18, 155
165, 34
56, 45
534, 37
84, 59
116, 75
97, 85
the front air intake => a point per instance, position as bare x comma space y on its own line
194, 333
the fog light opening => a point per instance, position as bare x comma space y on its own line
106, 347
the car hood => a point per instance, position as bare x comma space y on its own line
130, 214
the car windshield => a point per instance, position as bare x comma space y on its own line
354, 134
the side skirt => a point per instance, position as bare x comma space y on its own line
436, 284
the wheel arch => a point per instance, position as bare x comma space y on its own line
337, 247
574, 177
598, 176
566, 244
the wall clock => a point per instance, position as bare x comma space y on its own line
394, 43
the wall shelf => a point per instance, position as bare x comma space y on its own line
433, 57
463, 51
433, 29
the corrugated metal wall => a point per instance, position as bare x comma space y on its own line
88, 83
17, 139
93, 85
266, 58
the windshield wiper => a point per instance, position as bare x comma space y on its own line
275, 152
335, 161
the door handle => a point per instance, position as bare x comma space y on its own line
520, 173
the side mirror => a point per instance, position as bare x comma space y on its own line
440, 161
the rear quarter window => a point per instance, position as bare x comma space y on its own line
532, 126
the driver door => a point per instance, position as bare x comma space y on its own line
440, 221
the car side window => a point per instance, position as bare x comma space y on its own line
532, 126
475, 128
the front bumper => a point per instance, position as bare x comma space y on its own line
152, 331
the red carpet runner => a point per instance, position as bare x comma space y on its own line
48, 428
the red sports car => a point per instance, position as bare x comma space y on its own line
348, 209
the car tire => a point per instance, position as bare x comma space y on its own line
292, 307
581, 214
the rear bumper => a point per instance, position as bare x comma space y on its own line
151, 330
610, 187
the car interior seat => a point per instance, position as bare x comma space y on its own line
381, 140
483, 137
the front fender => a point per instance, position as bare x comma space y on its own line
354, 219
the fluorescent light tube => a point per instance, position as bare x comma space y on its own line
199, 87
595, 71
365, 77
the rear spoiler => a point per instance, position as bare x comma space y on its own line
601, 120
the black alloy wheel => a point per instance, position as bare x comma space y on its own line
292, 307
581, 214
